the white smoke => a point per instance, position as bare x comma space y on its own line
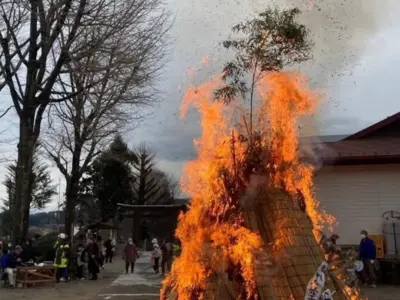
340, 30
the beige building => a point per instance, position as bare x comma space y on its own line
359, 179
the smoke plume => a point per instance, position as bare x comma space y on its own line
340, 30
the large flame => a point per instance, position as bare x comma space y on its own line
286, 98
212, 232
212, 236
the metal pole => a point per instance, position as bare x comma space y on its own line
59, 201
395, 240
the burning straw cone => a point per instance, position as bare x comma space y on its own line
288, 232
244, 191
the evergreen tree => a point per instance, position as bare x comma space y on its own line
41, 188
110, 178
152, 186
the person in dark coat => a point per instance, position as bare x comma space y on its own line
28, 253
8, 249
130, 254
101, 254
166, 257
93, 253
109, 250
81, 260
368, 256
11, 262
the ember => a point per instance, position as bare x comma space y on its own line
244, 236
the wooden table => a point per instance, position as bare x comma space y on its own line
35, 274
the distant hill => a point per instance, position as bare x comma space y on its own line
46, 219
40, 223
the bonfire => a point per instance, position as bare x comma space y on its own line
253, 225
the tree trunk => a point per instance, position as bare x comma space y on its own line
137, 218
72, 191
71, 202
69, 208
26, 148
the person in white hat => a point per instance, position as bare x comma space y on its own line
61, 258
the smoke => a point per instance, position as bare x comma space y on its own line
340, 30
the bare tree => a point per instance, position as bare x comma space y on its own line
161, 188
41, 42
29, 32
117, 79
152, 186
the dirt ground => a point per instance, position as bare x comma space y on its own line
73, 290
383, 293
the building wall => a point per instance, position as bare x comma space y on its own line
357, 196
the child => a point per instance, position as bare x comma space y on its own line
155, 257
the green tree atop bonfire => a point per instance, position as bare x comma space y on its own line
270, 42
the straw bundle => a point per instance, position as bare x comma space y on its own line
295, 254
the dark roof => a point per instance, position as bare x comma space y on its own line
323, 138
378, 143
355, 149
374, 127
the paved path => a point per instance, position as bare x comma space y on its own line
142, 285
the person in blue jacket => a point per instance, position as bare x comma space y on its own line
10, 263
368, 257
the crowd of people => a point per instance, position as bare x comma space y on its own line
164, 253
365, 265
88, 257
12, 257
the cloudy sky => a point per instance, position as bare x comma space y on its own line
356, 62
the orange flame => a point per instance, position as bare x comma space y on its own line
210, 243
287, 98
212, 232
205, 60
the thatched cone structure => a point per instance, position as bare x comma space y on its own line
296, 255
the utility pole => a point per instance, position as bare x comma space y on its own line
59, 202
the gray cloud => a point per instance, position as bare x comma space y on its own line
343, 125
355, 69
340, 29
